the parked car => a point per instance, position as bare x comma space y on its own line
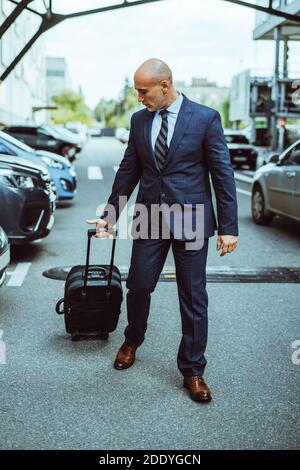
44, 138
240, 150
94, 131
64, 174
27, 200
65, 133
276, 187
78, 130
124, 138
4, 255
119, 131
61, 170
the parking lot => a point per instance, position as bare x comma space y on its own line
57, 394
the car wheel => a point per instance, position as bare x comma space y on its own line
258, 208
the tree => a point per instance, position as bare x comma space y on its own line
105, 110
117, 113
71, 107
224, 111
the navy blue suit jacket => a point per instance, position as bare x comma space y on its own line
197, 149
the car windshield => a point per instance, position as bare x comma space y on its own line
15, 142
236, 139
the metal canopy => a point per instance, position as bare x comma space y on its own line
290, 30
50, 18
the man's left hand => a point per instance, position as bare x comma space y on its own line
226, 243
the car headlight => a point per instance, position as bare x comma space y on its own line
52, 163
6, 178
15, 180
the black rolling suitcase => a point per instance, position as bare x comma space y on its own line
93, 297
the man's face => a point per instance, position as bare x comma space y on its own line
151, 92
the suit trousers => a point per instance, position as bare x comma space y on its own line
147, 261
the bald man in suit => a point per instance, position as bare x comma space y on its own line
174, 146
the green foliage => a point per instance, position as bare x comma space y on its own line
71, 107
224, 111
117, 113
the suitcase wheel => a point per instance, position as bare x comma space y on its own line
79, 336
58, 309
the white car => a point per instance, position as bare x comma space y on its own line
276, 187
124, 138
4, 255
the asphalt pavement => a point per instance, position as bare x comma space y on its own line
57, 394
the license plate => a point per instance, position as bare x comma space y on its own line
240, 159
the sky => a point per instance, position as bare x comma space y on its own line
197, 38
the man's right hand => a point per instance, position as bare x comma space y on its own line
100, 224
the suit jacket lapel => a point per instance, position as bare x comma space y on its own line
183, 118
147, 134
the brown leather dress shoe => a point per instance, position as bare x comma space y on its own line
125, 357
198, 389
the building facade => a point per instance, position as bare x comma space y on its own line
57, 76
25, 87
203, 91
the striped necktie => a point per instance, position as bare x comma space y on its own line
161, 147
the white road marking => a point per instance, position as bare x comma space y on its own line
18, 275
240, 177
243, 191
94, 173
116, 167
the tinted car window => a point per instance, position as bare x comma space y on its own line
22, 130
12, 129
29, 130
293, 156
236, 139
15, 142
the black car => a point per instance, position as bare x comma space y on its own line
240, 150
4, 255
45, 138
27, 200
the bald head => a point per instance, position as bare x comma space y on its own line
154, 69
154, 84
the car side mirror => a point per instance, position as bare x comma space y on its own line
273, 158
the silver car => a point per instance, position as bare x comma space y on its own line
4, 254
276, 187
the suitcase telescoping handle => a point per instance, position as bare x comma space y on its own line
92, 232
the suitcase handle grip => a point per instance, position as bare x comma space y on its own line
92, 232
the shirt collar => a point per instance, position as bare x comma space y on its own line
175, 106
